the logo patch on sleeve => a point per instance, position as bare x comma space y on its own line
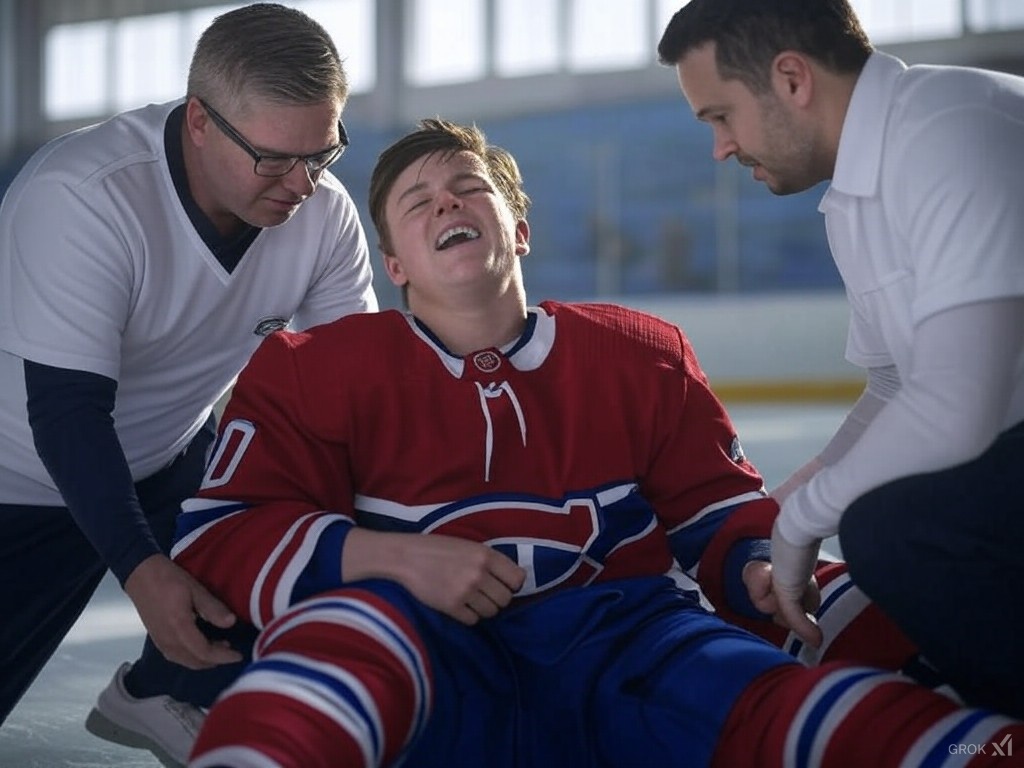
736, 451
268, 325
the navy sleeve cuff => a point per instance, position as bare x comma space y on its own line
741, 553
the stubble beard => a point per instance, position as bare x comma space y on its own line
791, 152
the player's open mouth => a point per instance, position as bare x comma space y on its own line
454, 236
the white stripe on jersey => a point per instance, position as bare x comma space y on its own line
283, 589
415, 513
752, 496
196, 505
842, 603
293, 570
238, 757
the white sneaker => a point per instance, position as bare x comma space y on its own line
166, 727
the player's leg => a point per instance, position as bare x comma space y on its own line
50, 572
854, 628
940, 554
364, 676
840, 715
665, 693
685, 687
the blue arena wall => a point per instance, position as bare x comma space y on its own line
641, 176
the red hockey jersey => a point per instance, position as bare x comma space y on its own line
591, 448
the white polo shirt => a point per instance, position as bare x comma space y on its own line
926, 207
925, 213
101, 270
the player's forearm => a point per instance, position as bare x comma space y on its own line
374, 555
743, 537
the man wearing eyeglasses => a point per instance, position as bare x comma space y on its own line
142, 261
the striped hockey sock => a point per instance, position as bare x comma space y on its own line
840, 716
338, 680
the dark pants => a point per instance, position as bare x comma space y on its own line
49, 572
941, 553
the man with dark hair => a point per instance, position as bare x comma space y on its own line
468, 532
142, 260
925, 220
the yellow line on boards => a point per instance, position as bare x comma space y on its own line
840, 390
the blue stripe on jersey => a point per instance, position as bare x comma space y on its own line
323, 571
199, 512
689, 541
842, 589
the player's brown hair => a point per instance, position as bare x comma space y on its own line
439, 135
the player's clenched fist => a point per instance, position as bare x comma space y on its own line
462, 579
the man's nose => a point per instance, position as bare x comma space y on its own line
724, 147
299, 180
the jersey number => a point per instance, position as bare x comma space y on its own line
227, 454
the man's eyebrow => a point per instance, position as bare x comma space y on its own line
275, 153
703, 112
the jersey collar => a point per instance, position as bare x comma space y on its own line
526, 353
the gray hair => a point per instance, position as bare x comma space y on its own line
268, 51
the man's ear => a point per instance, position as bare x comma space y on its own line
393, 268
197, 121
522, 237
793, 78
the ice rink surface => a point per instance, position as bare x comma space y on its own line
47, 729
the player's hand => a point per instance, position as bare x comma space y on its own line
168, 601
757, 576
792, 572
463, 579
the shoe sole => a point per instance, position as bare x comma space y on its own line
102, 727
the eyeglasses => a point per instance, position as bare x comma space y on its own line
280, 165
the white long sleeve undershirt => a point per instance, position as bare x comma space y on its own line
949, 408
